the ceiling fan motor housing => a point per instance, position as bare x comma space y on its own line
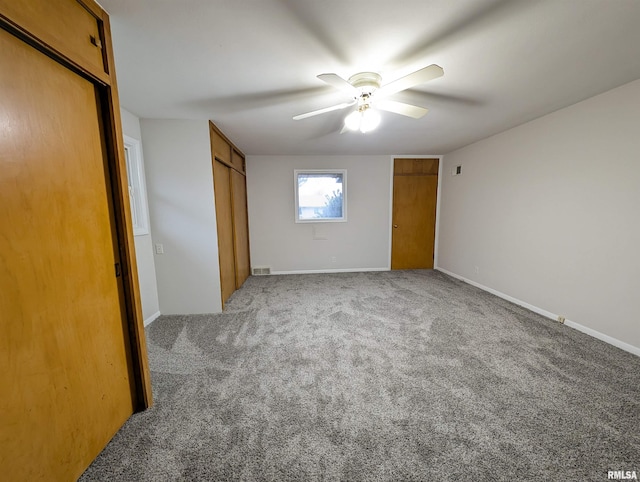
366, 82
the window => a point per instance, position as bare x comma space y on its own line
137, 195
320, 195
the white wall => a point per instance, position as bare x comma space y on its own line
181, 205
143, 243
549, 213
362, 243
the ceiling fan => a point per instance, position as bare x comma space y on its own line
369, 94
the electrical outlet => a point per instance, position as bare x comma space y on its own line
561, 320
333, 260
477, 268
159, 249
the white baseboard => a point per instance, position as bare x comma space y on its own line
601, 336
341, 270
152, 318
547, 314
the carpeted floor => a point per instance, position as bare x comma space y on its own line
400, 375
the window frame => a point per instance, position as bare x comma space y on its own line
341, 172
137, 186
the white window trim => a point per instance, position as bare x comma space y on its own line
136, 181
342, 172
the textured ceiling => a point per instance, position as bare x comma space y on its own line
250, 65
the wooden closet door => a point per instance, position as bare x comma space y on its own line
240, 227
65, 380
224, 220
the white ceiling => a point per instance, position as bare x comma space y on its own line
250, 65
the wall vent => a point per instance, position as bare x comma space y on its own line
261, 271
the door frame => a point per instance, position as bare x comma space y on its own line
110, 121
438, 197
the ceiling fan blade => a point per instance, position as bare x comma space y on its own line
338, 82
401, 108
344, 105
421, 76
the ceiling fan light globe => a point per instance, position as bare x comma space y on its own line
370, 120
353, 120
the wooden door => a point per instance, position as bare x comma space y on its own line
65, 375
240, 227
230, 191
224, 220
415, 185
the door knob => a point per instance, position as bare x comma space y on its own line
395, 225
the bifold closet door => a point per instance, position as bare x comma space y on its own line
65, 380
240, 227
224, 220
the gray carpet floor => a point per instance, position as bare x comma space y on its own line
400, 375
